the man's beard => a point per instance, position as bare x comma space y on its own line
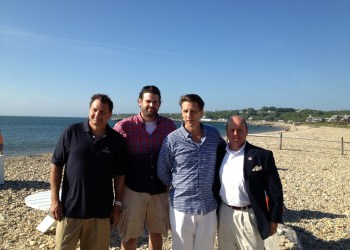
150, 114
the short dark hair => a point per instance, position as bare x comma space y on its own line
150, 89
104, 99
192, 98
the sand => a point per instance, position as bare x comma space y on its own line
314, 173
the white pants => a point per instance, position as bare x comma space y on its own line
238, 229
192, 231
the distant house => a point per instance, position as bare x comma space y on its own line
309, 119
314, 119
345, 118
204, 119
319, 119
334, 118
222, 120
339, 118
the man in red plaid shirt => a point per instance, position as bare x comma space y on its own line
145, 203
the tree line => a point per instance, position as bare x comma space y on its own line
264, 113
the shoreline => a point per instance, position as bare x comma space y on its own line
315, 179
28, 147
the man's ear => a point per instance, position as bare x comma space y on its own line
139, 101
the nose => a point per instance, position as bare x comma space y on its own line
189, 114
98, 114
235, 132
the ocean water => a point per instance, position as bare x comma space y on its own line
25, 135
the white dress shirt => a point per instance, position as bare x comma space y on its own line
233, 190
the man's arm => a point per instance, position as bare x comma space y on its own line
119, 187
55, 181
164, 165
274, 189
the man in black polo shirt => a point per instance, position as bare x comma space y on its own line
91, 154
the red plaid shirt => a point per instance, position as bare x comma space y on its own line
141, 173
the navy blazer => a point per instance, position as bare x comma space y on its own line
264, 181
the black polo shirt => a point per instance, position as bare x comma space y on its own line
89, 168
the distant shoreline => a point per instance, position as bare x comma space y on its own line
28, 136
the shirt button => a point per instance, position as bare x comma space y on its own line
151, 177
151, 166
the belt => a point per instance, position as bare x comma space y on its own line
239, 208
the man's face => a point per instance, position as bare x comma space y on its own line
236, 133
191, 114
149, 105
99, 114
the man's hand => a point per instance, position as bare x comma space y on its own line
56, 210
115, 215
273, 228
55, 181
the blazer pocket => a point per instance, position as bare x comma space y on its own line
257, 168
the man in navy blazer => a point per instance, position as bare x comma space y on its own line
245, 175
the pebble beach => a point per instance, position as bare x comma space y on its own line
314, 173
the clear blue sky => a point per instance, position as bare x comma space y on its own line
235, 54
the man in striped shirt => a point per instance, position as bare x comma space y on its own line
145, 202
186, 164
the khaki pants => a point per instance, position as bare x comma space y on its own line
92, 233
238, 229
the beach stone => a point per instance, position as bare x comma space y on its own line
51, 244
32, 243
316, 185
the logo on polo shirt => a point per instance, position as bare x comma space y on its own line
106, 150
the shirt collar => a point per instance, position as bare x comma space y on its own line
140, 119
87, 127
187, 134
240, 151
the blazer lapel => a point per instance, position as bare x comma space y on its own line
249, 160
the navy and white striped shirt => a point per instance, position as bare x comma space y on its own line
188, 168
